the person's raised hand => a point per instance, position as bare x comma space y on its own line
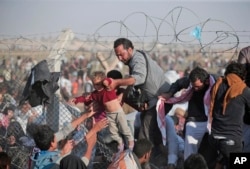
68, 146
91, 136
92, 109
100, 125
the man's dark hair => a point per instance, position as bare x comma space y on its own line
142, 147
43, 137
114, 74
31, 129
125, 42
71, 161
198, 73
236, 68
195, 161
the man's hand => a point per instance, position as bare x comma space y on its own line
111, 85
67, 147
107, 82
100, 125
165, 96
143, 107
92, 109
91, 136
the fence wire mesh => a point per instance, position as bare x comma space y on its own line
18, 120
75, 64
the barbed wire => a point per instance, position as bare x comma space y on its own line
175, 32
150, 33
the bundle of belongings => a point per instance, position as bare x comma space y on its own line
41, 85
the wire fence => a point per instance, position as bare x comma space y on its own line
19, 117
209, 43
17, 127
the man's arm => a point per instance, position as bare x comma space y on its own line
115, 83
62, 134
125, 82
179, 84
91, 138
88, 113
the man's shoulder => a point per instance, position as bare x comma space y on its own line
141, 52
138, 54
185, 80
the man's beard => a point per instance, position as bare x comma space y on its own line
125, 63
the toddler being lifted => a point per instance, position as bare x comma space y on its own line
110, 106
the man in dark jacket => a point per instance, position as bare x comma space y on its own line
230, 97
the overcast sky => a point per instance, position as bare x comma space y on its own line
19, 17
86, 17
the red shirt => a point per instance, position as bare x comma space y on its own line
103, 96
100, 97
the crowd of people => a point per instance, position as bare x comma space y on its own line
192, 121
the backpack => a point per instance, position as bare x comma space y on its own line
43, 159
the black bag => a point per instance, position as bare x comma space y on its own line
134, 96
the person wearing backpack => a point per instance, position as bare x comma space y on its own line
47, 156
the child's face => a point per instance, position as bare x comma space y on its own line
97, 83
